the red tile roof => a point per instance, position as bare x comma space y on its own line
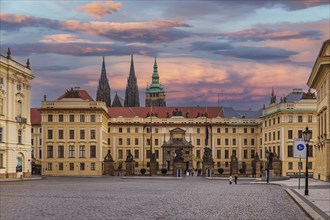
130, 112
83, 94
35, 116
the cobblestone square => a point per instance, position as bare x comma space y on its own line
116, 198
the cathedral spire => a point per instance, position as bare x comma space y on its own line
272, 97
103, 90
132, 90
155, 93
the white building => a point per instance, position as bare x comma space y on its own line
15, 126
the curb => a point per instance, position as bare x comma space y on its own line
308, 209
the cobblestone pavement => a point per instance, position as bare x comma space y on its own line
115, 198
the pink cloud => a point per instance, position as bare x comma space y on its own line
99, 9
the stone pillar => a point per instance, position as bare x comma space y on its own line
277, 167
258, 170
153, 165
233, 168
207, 165
109, 168
129, 167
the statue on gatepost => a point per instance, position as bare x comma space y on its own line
129, 164
276, 165
256, 166
109, 168
233, 165
208, 162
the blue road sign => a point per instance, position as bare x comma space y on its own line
300, 147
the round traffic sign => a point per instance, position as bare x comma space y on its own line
300, 147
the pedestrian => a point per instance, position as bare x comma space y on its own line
192, 172
236, 177
230, 179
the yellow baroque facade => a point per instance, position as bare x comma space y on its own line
319, 80
74, 135
15, 126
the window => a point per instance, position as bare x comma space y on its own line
40, 130
120, 130
289, 134
234, 130
245, 141
93, 134
50, 151
273, 135
234, 141
60, 134
252, 130
1, 160
82, 152
198, 141
82, 118
82, 134
300, 134
128, 130
278, 120
290, 118
226, 154
0, 134
156, 130
156, 141
50, 166
40, 141
136, 141
278, 135
50, 134
136, 130
252, 141
71, 134
60, 166
82, 166
157, 154
252, 153
310, 151
300, 118
290, 166
265, 137
93, 167
245, 153
265, 123
120, 154
198, 130
273, 121
92, 151
60, 118
218, 130
128, 141
198, 153
270, 122
148, 154
219, 154
310, 165
71, 166
93, 118
269, 136
218, 141
310, 118
120, 141
50, 118
71, 117
40, 153
60, 151
226, 141
108, 141
71, 151
136, 153
245, 130
148, 141
226, 130
290, 151
226, 164
234, 152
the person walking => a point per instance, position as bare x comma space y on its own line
230, 179
236, 177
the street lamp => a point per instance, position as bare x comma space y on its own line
267, 156
307, 136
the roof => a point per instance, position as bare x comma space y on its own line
82, 94
35, 116
118, 101
165, 112
229, 112
294, 97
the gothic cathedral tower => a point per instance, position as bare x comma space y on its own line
103, 92
155, 93
132, 90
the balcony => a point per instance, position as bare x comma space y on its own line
21, 120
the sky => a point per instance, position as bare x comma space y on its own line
231, 52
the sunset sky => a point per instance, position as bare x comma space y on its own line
238, 49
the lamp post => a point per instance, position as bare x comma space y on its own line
307, 136
267, 156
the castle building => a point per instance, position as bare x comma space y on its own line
319, 80
155, 93
132, 91
103, 93
15, 126
75, 134
285, 121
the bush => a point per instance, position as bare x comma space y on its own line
143, 171
164, 171
241, 170
221, 170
